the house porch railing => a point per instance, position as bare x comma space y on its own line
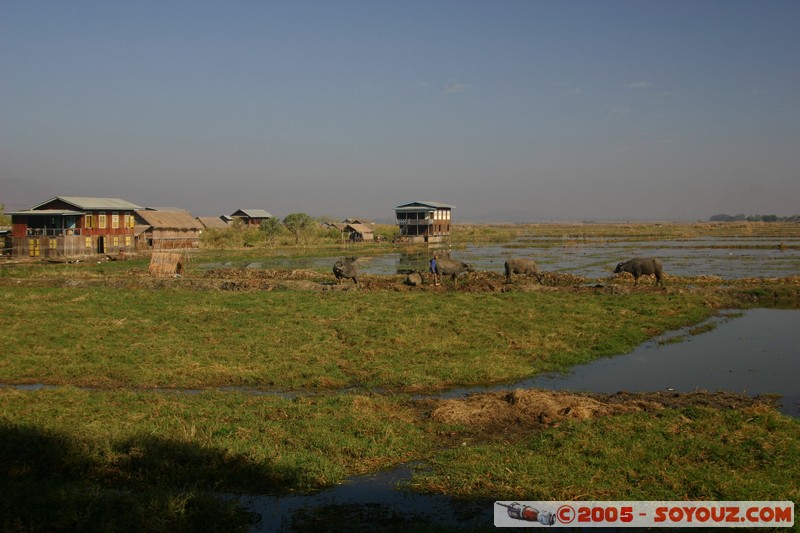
53, 232
415, 222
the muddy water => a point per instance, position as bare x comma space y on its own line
689, 257
757, 352
727, 258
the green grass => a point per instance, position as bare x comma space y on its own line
106, 460
115, 457
181, 338
694, 453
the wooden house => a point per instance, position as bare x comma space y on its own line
359, 232
167, 230
213, 222
68, 226
424, 221
251, 218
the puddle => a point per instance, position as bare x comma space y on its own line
756, 353
367, 503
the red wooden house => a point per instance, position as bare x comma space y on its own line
68, 226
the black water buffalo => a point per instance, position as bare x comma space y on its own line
522, 266
642, 266
449, 267
345, 270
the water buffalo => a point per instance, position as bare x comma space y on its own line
414, 279
642, 266
345, 270
522, 266
449, 267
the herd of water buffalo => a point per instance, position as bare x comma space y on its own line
638, 267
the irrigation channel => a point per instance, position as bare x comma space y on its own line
755, 352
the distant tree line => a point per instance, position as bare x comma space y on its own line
5, 220
753, 218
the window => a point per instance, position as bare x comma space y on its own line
53, 244
128, 241
131, 221
33, 245
101, 220
115, 220
89, 221
89, 242
116, 241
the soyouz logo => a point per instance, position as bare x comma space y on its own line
644, 514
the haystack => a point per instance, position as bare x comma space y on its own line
166, 264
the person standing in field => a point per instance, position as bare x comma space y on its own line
434, 276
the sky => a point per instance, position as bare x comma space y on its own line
508, 110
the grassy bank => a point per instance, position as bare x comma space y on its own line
693, 453
73, 459
181, 338
123, 461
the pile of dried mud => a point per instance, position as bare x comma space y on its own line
522, 410
244, 279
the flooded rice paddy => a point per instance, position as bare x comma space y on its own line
727, 258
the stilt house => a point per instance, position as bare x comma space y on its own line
424, 221
251, 218
69, 226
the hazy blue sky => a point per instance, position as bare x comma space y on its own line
516, 109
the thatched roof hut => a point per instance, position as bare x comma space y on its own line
213, 222
360, 232
170, 229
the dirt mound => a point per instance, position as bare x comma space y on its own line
261, 274
503, 412
526, 407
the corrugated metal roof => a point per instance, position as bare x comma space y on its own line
252, 213
47, 212
170, 219
91, 203
430, 205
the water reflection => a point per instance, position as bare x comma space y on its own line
367, 503
754, 354
594, 258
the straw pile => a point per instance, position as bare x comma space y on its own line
524, 407
166, 264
